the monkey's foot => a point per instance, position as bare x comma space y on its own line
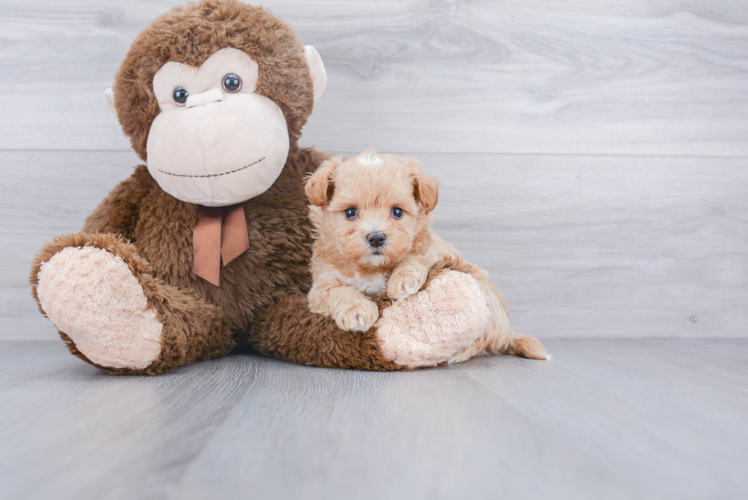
92, 296
429, 327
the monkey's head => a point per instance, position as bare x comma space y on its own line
213, 96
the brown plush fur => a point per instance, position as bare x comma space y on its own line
260, 303
152, 231
279, 235
291, 333
192, 328
193, 311
190, 35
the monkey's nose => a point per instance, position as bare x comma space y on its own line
376, 239
214, 95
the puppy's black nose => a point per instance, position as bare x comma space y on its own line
376, 239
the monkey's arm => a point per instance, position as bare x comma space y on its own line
289, 330
448, 314
118, 213
351, 309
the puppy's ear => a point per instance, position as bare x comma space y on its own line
319, 186
425, 187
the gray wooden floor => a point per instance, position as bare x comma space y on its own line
640, 418
593, 157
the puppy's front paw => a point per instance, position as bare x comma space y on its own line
357, 317
405, 281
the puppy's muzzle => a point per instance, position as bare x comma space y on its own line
376, 239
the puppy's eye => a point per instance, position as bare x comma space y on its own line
397, 213
350, 213
232, 83
180, 96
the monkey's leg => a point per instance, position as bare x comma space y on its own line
425, 329
114, 314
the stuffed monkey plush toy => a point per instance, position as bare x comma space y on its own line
205, 251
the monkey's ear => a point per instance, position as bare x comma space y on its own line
109, 93
425, 187
316, 70
319, 186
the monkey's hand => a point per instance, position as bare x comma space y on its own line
406, 280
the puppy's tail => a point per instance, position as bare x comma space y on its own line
526, 346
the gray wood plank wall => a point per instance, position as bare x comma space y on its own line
593, 155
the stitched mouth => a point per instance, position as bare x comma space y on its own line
213, 175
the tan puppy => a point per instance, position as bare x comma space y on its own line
373, 235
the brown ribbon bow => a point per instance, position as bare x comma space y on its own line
220, 233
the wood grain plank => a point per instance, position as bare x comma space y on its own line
581, 246
96, 436
637, 392
435, 434
637, 418
25, 361
589, 77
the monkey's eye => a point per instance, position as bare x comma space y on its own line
232, 83
397, 213
350, 213
180, 96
